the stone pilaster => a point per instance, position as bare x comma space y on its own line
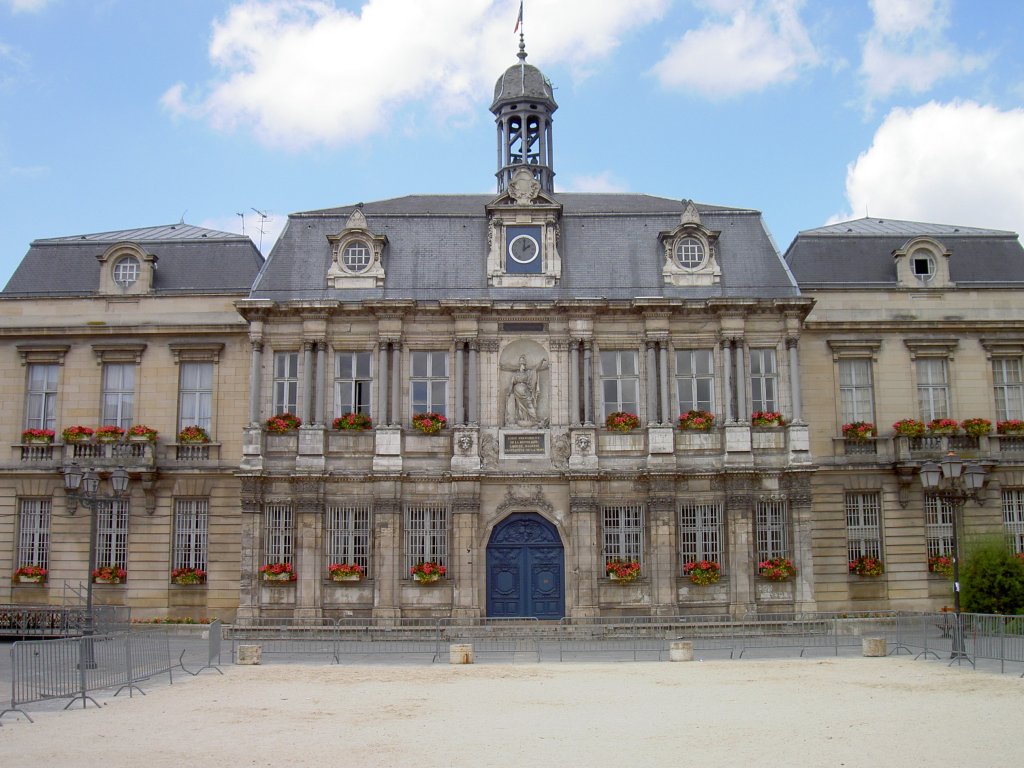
387, 553
466, 561
586, 551
307, 554
742, 552
662, 566
251, 497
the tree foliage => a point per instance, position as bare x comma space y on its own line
991, 578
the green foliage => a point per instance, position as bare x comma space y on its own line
991, 578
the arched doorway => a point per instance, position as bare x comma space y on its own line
525, 568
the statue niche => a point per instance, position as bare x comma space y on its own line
524, 381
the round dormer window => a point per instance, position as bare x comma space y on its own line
126, 271
690, 253
922, 266
356, 257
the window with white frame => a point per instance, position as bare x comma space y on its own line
286, 382
41, 400
348, 534
764, 380
938, 525
856, 393
1013, 517
863, 524
112, 534
191, 522
118, 394
695, 380
933, 387
620, 382
1009, 388
700, 532
426, 535
352, 382
34, 532
623, 532
126, 271
195, 395
428, 385
772, 529
278, 534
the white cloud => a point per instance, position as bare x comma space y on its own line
922, 167
300, 72
760, 43
907, 49
604, 181
26, 6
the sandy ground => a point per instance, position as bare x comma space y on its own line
841, 712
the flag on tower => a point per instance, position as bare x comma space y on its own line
519, 19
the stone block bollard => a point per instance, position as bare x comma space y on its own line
460, 653
873, 646
250, 654
680, 650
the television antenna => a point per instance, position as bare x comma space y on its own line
263, 222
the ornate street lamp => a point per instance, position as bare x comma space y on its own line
951, 484
82, 488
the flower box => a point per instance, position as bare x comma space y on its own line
976, 427
621, 421
187, 576
622, 571
767, 419
698, 421
109, 574
346, 572
278, 572
76, 434
427, 572
429, 423
193, 435
140, 433
1010, 427
866, 566
109, 434
702, 572
942, 565
352, 422
37, 436
29, 574
859, 431
776, 568
943, 427
282, 423
909, 428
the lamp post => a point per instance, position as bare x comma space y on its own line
83, 488
952, 483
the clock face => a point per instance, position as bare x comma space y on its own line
523, 249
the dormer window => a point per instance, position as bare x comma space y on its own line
690, 253
126, 271
923, 266
357, 256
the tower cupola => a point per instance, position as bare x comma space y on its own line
523, 105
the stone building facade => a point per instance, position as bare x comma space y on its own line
911, 321
126, 328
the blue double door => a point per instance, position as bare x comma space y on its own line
525, 568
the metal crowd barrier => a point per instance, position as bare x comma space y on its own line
215, 636
40, 621
72, 668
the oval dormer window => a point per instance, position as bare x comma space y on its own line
690, 253
126, 271
922, 264
356, 256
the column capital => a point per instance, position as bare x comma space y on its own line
792, 341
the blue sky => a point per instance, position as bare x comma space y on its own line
117, 114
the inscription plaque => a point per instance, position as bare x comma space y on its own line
524, 443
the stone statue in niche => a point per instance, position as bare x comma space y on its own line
524, 394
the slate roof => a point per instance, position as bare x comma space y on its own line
190, 259
437, 249
859, 253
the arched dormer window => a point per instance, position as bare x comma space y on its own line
690, 258
357, 255
126, 269
922, 263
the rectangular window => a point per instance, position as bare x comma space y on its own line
286, 382
195, 395
426, 536
700, 533
620, 382
112, 534
624, 532
863, 525
933, 387
34, 532
118, 394
1013, 517
348, 534
772, 530
1009, 388
695, 380
191, 520
938, 525
41, 402
856, 393
277, 534
429, 382
352, 383
763, 380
